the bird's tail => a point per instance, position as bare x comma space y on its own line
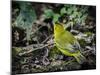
80, 58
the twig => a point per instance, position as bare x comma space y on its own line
86, 51
34, 49
45, 59
37, 30
47, 39
64, 63
29, 46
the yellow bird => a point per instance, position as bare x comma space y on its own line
67, 43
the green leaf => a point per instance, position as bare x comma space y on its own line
79, 14
74, 8
48, 13
63, 11
75, 14
84, 16
69, 11
56, 17
26, 17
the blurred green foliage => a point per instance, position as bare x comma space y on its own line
69, 14
26, 17
75, 14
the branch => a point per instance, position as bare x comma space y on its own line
34, 49
47, 38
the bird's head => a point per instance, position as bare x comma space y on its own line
58, 27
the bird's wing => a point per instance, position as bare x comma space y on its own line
67, 46
67, 42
